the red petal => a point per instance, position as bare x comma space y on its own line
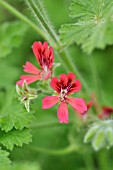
71, 77
20, 82
30, 68
78, 104
44, 46
63, 113
29, 78
37, 50
90, 104
76, 86
63, 80
55, 84
49, 101
51, 51
106, 112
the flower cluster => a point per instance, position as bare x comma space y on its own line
64, 87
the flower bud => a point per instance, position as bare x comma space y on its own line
100, 135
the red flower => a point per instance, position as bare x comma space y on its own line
45, 58
64, 87
106, 112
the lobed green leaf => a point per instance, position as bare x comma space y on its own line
4, 160
15, 137
94, 26
14, 115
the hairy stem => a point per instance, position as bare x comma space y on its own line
37, 11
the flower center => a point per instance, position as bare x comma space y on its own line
63, 94
45, 68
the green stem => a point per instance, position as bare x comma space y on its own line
103, 160
22, 17
88, 159
38, 14
67, 150
95, 76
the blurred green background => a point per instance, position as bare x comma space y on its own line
16, 39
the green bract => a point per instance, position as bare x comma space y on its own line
100, 134
93, 27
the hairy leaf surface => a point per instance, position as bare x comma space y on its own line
94, 25
15, 137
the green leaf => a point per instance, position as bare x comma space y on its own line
11, 36
15, 137
94, 26
14, 114
4, 160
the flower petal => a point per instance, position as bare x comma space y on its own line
20, 82
44, 54
63, 113
71, 77
37, 50
30, 68
78, 104
63, 80
76, 86
106, 112
49, 101
30, 78
45, 46
55, 84
90, 104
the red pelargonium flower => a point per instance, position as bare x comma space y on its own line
64, 87
45, 58
106, 112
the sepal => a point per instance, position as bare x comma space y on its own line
26, 94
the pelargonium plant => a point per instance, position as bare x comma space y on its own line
53, 82
63, 88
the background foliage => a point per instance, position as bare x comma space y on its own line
49, 140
